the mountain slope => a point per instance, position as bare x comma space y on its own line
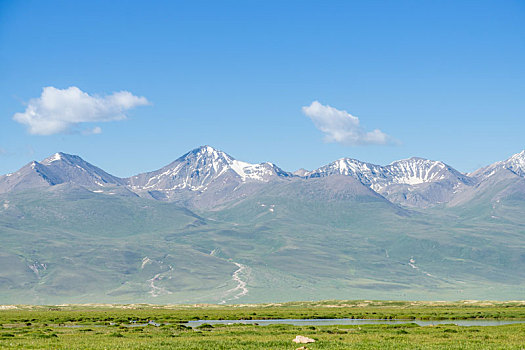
504, 180
336, 237
66, 243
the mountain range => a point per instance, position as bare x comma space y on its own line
209, 173
210, 228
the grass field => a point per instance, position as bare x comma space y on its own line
113, 327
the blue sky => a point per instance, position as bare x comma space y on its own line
438, 79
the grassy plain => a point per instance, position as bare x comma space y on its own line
113, 327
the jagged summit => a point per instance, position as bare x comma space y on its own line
418, 170
414, 182
367, 173
410, 171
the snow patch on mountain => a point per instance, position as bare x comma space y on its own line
145, 261
55, 157
412, 264
416, 171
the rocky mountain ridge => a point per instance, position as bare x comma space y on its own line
206, 176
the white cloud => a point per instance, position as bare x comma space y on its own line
2, 151
341, 126
59, 110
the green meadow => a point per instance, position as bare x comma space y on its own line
124, 326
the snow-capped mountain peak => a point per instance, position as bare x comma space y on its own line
367, 173
418, 170
208, 158
412, 171
64, 157
515, 164
197, 169
63, 167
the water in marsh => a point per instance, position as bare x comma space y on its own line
355, 322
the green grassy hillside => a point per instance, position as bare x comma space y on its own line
67, 244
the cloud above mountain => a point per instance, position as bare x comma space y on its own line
340, 126
61, 110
